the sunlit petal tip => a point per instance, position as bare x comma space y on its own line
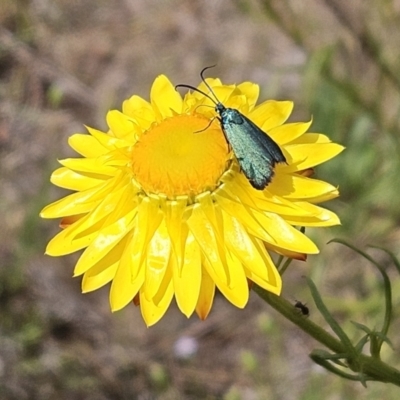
153, 316
43, 213
164, 97
86, 145
119, 123
162, 211
251, 92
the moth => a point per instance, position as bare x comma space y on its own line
255, 151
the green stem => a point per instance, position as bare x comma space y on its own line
370, 366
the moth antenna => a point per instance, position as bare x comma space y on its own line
197, 90
203, 105
208, 86
209, 124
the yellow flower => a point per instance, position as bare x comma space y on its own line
162, 208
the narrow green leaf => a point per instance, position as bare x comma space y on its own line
331, 321
362, 327
323, 362
386, 285
361, 343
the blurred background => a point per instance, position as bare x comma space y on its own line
65, 63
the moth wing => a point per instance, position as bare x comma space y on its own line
266, 142
252, 152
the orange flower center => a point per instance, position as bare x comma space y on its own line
180, 156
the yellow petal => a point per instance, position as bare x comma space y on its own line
62, 244
91, 165
274, 280
303, 156
86, 145
122, 127
124, 286
174, 211
140, 110
322, 217
241, 191
283, 234
237, 291
225, 94
106, 239
288, 132
104, 271
213, 83
224, 91
153, 310
239, 243
82, 232
67, 179
74, 204
205, 236
214, 216
109, 141
271, 114
85, 201
286, 253
251, 91
324, 197
91, 283
310, 138
164, 97
206, 295
239, 102
187, 280
297, 187
243, 214
157, 259
273, 288
148, 219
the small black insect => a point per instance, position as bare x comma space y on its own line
302, 307
255, 151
